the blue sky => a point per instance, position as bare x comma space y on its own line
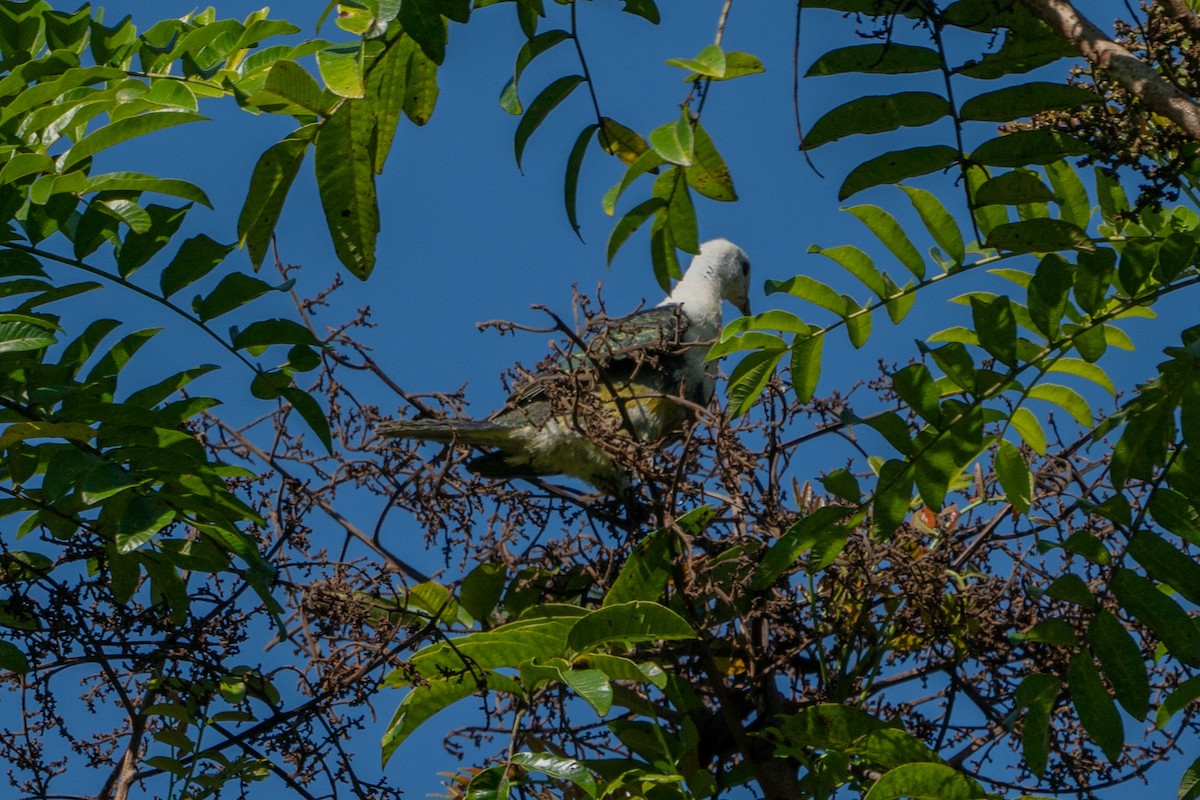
467, 237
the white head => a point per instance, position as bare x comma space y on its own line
723, 263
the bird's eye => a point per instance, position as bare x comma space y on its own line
745, 268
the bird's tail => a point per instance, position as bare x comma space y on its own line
463, 431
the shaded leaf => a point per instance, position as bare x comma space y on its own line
269, 184
1162, 615
1025, 100
542, 105
1095, 708
1023, 148
626, 624
345, 166
1014, 475
1121, 659
877, 114
897, 166
892, 58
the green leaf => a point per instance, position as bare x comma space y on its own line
1039, 236
1047, 297
805, 368
624, 143
648, 161
140, 521
1037, 694
509, 99
19, 333
423, 22
139, 248
858, 264
1065, 398
1162, 615
269, 184
540, 108
878, 59
1014, 476
996, 325
593, 686
1174, 256
821, 526
420, 88
737, 65
646, 9
290, 89
425, 700
1189, 784
197, 257
1175, 512
574, 165
1138, 258
137, 182
312, 414
893, 497
387, 84
1094, 274
748, 380
560, 768
345, 167
1180, 698
1121, 659
625, 624
1071, 588
938, 221
708, 174
274, 331
680, 214
234, 291
1073, 199
1012, 188
675, 141
897, 166
481, 590
12, 659
1113, 201
1054, 631
709, 63
629, 223
1095, 708
1022, 51
648, 569
877, 114
888, 231
1166, 563
1082, 369
1025, 100
1023, 148
812, 290
154, 394
828, 726
914, 385
925, 781
123, 130
342, 70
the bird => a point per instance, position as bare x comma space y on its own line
648, 371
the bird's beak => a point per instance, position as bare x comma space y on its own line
742, 304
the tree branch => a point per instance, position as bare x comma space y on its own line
1178, 10
1137, 77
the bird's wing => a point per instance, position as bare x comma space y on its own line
642, 348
